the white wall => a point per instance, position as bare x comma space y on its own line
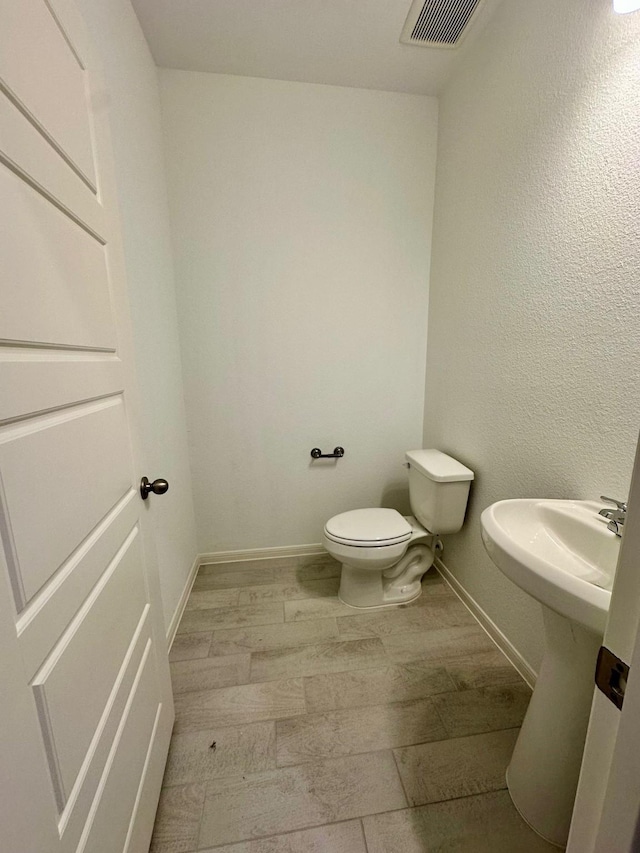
135, 125
301, 219
534, 326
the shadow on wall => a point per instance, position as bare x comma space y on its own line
396, 496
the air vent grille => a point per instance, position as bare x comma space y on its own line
438, 23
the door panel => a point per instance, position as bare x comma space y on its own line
57, 288
87, 718
58, 452
112, 822
40, 379
53, 92
48, 614
26, 151
86, 660
87, 791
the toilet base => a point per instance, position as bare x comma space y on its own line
399, 584
394, 603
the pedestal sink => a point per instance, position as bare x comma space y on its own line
562, 554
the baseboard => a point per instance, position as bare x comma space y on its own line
186, 592
261, 554
506, 647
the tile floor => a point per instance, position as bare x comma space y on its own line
304, 726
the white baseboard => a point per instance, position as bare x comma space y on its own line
261, 554
506, 647
186, 592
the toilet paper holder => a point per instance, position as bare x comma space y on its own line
338, 453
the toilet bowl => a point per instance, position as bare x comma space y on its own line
385, 554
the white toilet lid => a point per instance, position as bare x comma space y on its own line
368, 528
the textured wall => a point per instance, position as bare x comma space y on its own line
534, 316
136, 135
301, 225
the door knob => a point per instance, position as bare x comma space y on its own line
158, 487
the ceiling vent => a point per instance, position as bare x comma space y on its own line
438, 23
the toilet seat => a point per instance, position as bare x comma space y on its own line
368, 528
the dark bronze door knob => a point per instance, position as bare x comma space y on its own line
158, 487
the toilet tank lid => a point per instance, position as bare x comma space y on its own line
438, 466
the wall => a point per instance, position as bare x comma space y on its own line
135, 125
534, 325
301, 219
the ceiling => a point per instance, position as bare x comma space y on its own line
338, 42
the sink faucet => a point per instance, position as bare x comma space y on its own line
616, 517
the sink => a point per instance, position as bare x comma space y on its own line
563, 555
560, 552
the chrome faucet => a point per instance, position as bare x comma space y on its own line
616, 517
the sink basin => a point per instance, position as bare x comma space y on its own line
563, 555
560, 552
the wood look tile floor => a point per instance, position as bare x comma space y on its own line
305, 726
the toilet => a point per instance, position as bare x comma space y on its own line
385, 554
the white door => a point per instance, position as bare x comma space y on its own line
85, 702
606, 816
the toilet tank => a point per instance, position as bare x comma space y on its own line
438, 490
